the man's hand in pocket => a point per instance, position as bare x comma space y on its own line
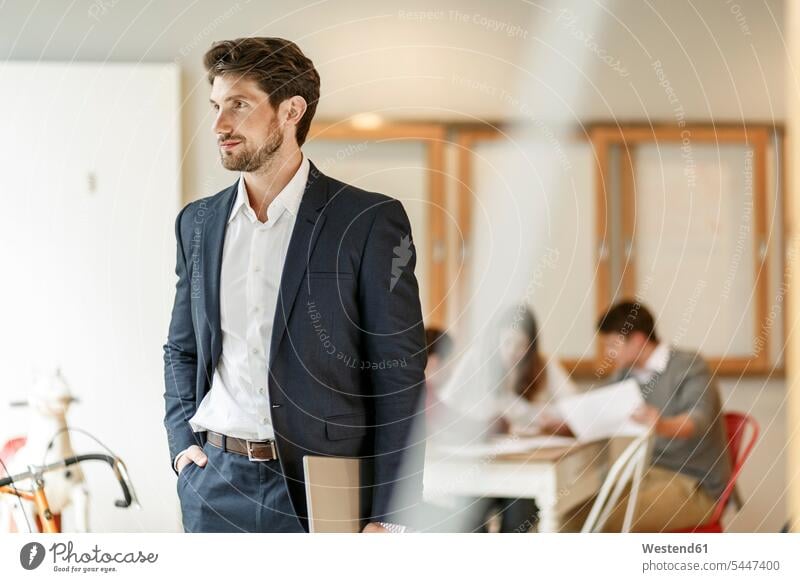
193, 454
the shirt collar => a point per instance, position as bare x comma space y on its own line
653, 367
658, 360
289, 198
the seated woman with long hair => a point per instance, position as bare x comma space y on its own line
505, 385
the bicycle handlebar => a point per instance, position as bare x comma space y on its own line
115, 464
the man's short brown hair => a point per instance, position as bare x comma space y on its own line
627, 317
278, 65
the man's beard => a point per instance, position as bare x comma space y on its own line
251, 161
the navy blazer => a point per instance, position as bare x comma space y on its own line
347, 357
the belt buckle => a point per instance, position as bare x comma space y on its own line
271, 446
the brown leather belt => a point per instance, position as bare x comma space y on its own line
264, 450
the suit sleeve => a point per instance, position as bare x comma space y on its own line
180, 360
394, 342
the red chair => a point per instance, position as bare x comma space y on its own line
736, 425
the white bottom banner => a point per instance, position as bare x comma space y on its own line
443, 557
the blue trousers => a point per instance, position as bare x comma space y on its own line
234, 494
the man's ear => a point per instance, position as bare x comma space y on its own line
294, 109
639, 340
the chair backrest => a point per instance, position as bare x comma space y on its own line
736, 426
628, 468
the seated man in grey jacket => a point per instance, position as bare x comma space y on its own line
690, 465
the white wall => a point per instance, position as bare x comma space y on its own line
88, 269
451, 64
763, 483
562, 290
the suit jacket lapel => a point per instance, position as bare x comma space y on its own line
214, 221
308, 224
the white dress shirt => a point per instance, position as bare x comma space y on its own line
253, 255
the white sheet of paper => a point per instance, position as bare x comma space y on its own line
506, 446
603, 413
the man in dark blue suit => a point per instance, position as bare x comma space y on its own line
296, 328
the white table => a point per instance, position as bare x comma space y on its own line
558, 478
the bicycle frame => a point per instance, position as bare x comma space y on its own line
39, 498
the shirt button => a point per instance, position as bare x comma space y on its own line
254, 351
257, 268
260, 390
264, 420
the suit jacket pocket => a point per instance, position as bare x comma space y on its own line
185, 472
345, 426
